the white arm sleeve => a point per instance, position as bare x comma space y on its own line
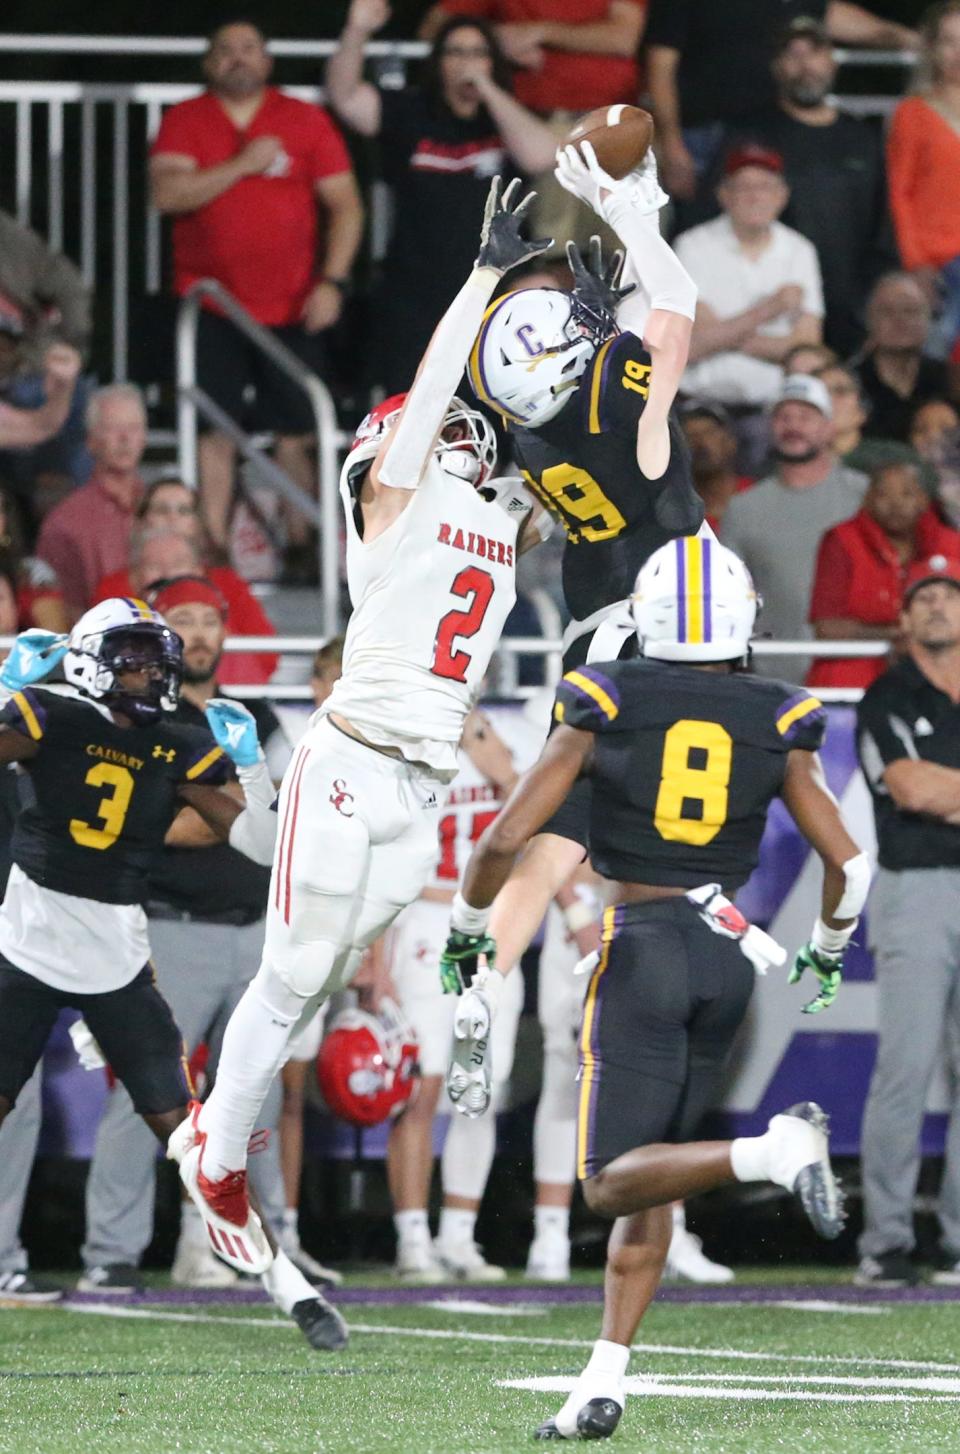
254, 831
664, 281
437, 378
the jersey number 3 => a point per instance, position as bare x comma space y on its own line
694, 782
112, 809
476, 587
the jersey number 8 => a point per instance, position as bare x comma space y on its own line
694, 781
112, 809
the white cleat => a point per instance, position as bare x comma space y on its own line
470, 1076
687, 1261
417, 1262
235, 1231
466, 1263
195, 1266
800, 1160
548, 1260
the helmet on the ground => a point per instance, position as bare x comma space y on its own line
368, 1065
123, 634
694, 600
466, 446
532, 347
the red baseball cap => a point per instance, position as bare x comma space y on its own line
934, 568
751, 154
186, 591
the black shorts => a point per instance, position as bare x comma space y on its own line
133, 1027
228, 364
661, 1011
572, 818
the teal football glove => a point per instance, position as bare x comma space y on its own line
235, 730
828, 969
459, 961
33, 656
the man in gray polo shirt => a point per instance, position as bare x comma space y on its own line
776, 526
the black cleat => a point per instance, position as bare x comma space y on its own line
320, 1324
817, 1187
597, 1419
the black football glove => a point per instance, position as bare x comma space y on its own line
501, 246
596, 285
459, 961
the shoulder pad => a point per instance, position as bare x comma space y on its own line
801, 721
587, 698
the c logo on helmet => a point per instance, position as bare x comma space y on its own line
527, 335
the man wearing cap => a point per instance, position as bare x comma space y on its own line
713, 450
206, 910
909, 743
834, 166
759, 290
776, 526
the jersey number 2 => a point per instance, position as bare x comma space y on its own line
694, 781
476, 587
112, 809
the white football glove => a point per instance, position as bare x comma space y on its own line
579, 172
88, 1051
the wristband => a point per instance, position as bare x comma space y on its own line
831, 941
465, 918
577, 916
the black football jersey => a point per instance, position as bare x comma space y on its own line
685, 764
582, 466
104, 795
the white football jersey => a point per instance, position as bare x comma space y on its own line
473, 802
430, 596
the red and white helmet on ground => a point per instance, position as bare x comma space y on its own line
466, 447
368, 1067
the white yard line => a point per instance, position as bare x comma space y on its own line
486, 1310
662, 1388
658, 1350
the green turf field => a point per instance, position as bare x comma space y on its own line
221, 1379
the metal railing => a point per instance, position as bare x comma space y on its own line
192, 400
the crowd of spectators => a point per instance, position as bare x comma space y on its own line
825, 247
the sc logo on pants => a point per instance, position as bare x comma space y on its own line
339, 796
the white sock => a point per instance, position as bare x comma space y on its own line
679, 1217
291, 1219
254, 1048
602, 1378
551, 1222
413, 1227
750, 1158
285, 1283
456, 1226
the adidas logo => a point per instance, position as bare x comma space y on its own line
431, 802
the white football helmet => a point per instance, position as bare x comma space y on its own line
125, 634
466, 447
532, 347
694, 600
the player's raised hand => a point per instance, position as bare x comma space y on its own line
33, 656
579, 172
501, 245
828, 969
235, 730
595, 282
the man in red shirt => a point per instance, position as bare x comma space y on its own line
863, 566
88, 534
573, 55
242, 168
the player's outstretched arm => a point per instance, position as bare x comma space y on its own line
846, 874
406, 451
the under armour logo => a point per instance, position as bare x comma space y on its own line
339, 796
167, 753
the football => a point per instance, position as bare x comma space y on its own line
620, 136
